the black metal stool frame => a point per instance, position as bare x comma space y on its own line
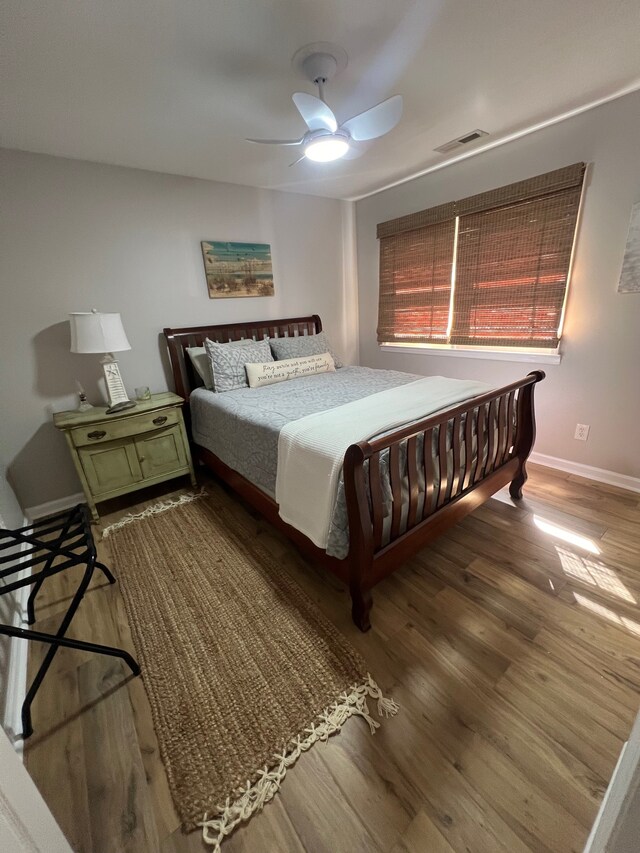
71, 537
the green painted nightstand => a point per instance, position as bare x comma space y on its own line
116, 454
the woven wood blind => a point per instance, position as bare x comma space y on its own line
415, 284
421, 219
549, 182
512, 268
513, 255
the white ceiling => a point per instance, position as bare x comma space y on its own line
176, 85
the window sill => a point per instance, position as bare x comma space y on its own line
533, 356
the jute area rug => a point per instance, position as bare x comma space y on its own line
242, 670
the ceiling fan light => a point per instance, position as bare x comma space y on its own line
326, 148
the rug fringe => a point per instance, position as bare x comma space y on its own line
162, 506
253, 797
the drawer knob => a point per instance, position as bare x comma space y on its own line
160, 420
98, 433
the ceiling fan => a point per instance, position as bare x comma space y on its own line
325, 140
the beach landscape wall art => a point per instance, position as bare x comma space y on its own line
630, 275
237, 269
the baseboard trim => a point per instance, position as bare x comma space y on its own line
16, 689
17, 679
51, 507
600, 475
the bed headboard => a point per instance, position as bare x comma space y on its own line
184, 376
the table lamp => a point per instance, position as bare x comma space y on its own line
95, 332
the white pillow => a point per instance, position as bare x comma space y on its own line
271, 372
200, 360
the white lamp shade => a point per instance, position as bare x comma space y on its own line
95, 332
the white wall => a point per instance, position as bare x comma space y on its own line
598, 381
77, 235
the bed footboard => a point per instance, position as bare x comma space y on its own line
406, 488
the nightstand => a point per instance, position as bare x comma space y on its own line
116, 454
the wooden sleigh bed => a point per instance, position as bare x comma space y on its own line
484, 460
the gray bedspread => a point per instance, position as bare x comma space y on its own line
242, 427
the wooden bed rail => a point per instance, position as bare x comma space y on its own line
440, 469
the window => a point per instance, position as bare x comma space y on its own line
490, 270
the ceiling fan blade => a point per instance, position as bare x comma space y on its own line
317, 115
277, 141
376, 121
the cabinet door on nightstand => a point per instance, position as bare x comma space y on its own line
161, 453
110, 466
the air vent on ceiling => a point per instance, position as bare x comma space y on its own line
460, 141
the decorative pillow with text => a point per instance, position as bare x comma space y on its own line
288, 368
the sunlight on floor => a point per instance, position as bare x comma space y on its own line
595, 574
504, 497
607, 613
566, 535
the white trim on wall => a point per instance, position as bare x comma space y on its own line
350, 274
19, 649
52, 507
617, 824
458, 351
600, 475
17, 679
26, 823
16, 686
627, 90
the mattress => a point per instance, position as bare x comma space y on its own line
242, 427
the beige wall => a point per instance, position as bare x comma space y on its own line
76, 235
598, 381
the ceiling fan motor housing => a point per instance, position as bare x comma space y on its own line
320, 67
312, 135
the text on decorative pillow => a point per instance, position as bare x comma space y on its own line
271, 372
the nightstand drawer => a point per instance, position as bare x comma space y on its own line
124, 427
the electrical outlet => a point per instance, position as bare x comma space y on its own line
582, 432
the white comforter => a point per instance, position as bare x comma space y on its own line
311, 449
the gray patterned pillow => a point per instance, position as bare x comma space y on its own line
227, 363
302, 346
200, 360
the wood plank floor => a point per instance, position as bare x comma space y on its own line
512, 645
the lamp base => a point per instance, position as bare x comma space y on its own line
120, 407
